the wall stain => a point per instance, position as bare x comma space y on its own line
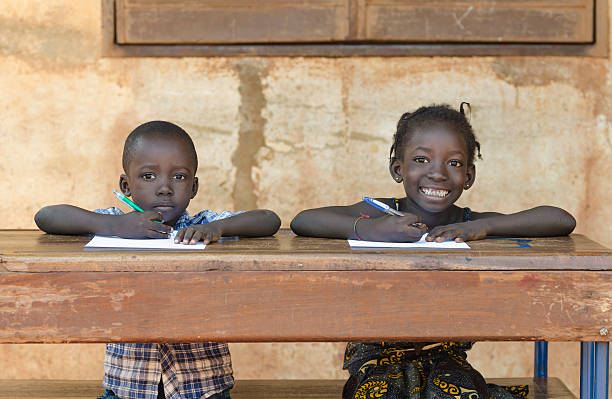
193, 127
361, 136
47, 47
251, 132
347, 75
587, 75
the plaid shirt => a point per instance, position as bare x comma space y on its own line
196, 370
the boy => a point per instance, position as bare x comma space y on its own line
160, 162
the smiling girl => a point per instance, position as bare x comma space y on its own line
433, 157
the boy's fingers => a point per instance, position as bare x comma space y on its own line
156, 234
208, 238
160, 227
179, 236
188, 234
197, 236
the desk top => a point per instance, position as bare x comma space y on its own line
288, 288
34, 251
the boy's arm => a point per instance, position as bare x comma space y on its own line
68, 219
346, 222
256, 223
542, 221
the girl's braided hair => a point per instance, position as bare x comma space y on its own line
409, 123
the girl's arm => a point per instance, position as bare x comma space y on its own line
257, 223
349, 222
68, 219
542, 221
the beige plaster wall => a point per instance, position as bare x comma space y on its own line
287, 134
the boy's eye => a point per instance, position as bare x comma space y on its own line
148, 176
455, 162
180, 176
420, 159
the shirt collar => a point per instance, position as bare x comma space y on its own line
183, 221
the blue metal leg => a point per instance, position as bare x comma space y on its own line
540, 359
600, 372
587, 357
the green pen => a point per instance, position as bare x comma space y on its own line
129, 202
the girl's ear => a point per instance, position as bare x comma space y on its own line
470, 177
395, 168
194, 188
124, 185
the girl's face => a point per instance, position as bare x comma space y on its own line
434, 168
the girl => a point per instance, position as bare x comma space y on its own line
433, 157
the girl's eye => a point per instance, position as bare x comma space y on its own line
148, 176
455, 162
420, 159
180, 176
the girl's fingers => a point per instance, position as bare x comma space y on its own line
434, 233
447, 236
411, 218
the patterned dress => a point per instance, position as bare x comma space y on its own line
418, 370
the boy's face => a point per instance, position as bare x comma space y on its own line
161, 176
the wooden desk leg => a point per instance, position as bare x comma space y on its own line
540, 359
600, 371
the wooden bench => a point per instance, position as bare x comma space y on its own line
540, 388
290, 289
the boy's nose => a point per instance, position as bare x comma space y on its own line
164, 188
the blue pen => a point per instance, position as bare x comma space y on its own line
381, 206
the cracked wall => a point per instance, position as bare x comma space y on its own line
287, 134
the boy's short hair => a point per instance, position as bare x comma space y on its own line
155, 128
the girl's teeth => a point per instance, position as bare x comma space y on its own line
434, 193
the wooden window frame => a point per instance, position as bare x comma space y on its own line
599, 47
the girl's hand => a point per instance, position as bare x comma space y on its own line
208, 232
392, 228
466, 231
140, 225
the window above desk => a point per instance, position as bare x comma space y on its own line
354, 27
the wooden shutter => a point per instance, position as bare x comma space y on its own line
230, 21
482, 21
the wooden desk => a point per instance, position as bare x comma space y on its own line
288, 288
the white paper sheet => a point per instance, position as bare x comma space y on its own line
162, 243
419, 244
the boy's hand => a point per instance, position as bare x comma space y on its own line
466, 231
208, 233
140, 225
392, 228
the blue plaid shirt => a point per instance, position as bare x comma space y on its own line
196, 370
